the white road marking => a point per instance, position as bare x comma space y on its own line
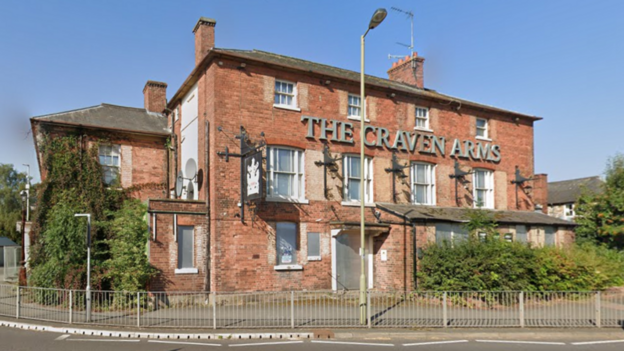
436, 342
349, 343
268, 343
597, 342
182, 343
522, 342
62, 337
105, 340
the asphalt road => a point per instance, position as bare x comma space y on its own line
15, 339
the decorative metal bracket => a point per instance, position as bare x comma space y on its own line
247, 147
396, 170
328, 161
460, 176
519, 182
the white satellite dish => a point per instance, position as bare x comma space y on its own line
190, 191
191, 168
179, 184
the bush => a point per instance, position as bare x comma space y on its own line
500, 266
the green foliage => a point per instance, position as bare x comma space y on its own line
11, 183
74, 185
601, 217
480, 221
497, 265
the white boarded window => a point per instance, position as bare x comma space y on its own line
353, 178
422, 118
185, 247
423, 183
483, 188
286, 243
286, 173
314, 246
450, 232
482, 128
285, 93
109, 159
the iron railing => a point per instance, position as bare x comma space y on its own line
313, 309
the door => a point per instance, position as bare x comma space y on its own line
346, 261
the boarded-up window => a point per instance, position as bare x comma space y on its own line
314, 247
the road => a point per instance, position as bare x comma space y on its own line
15, 339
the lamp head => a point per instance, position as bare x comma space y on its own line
24, 196
378, 17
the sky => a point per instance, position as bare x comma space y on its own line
557, 59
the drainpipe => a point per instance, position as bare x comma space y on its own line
206, 186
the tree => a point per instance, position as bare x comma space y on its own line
11, 183
600, 217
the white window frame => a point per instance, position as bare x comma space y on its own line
298, 194
488, 188
277, 93
114, 150
186, 270
351, 106
368, 179
430, 193
569, 211
424, 119
485, 129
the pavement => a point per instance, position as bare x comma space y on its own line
327, 334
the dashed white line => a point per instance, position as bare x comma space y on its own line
597, 342
62, 337
349, 343
268, 343
182, 343
105, 340
436, 342
522, 342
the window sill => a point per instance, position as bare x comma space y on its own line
483, 138
423, 129
186, 271
286, 107
357, 204
288, 267
314, 258
289, 200
356, 118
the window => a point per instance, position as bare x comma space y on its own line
423, 183
451, 233
483, 190
549, 235
286, 241
286, 177
482, 128
314, 247
422, 118
355, 106
568, 211
186, 261
352, 179
521, 233
109, 159
285, 94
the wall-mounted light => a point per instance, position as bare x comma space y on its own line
391, 95
325, 82
242, 65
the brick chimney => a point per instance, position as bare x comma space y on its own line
540, 191
204, 38
408, 70
155, 96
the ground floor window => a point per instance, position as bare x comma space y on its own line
286, 241
521, 233
549, 235
450, 232
186, 236
314, 247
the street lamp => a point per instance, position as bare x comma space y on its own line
88, 215
22, 274
27, 192
378, 17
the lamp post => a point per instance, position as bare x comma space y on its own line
88, 215
22, 272
378, 17
27, 193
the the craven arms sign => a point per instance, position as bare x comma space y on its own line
402, 141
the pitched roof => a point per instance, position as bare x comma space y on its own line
330, 71
568, 191
4, 241
419, 213
109, 116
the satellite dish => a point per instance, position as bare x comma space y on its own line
190, 191
191, 168
179, 184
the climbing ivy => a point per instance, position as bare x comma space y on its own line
73, 184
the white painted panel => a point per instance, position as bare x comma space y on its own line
189, 139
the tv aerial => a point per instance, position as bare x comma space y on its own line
409, 14
190, 170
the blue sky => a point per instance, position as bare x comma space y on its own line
561, 60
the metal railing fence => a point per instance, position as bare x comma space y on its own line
314, 309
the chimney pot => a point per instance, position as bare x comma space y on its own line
408, 70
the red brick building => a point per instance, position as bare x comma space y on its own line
431, 159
